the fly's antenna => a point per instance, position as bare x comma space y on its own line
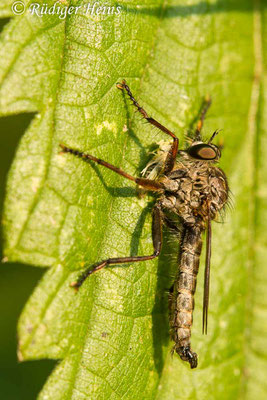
215, 133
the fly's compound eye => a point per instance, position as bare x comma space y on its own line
203, 152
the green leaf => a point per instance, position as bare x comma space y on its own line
112, 336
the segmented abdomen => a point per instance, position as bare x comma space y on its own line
182, 300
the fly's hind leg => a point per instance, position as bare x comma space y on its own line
157, 244
170, 160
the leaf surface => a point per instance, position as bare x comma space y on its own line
62, 213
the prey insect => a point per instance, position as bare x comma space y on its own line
187, 185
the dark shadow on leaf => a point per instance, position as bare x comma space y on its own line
12, 129
113, 191
3, 22
167, 269
138, 229
22, 380
136, 236
18, 380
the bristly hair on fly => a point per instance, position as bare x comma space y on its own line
189, 138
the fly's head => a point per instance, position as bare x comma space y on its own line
202, 151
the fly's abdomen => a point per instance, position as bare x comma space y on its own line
183, 294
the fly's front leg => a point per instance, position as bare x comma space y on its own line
170, 159
146, 183
157, 244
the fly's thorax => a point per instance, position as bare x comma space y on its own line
194, 190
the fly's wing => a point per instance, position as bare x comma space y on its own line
206, 279
155, 166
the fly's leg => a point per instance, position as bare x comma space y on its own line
170, 159
205, 106
157, 244
146, 183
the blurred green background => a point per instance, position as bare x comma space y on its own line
18, 381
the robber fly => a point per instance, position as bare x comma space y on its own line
191, 187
